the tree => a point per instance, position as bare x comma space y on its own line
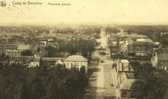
44, 82
27, 53
155, 82
51, 51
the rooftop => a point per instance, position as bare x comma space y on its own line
138, 43
76, 58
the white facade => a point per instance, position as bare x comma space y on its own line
12, 53
34, 64
154, 60
76, 61
23, 47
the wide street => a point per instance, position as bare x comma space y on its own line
103, 81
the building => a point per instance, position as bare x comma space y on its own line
124, 66
52, 61
141, 51
119, 47
124, 46
160, 59
35, 62
12, 53
48, 41
114, 48
9, 50
140, 48
43, 43
76, 61
23, 47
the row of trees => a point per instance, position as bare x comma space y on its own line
63, 48
153, 84
19, 82
85, 47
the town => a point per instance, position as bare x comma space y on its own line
83, 62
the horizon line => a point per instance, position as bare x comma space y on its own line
82, 23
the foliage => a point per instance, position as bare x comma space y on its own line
27, 53
155, 82
85, 47
19, 82
51, 51
74, 46
112, 29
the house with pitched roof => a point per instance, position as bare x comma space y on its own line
76, 61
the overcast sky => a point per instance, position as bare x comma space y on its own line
89, 11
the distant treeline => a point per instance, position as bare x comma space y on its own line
85, 28
145, 28
152, 31
47, 29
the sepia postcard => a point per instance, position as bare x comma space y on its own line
83, 49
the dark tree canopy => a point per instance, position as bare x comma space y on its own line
154, 83
19, 82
